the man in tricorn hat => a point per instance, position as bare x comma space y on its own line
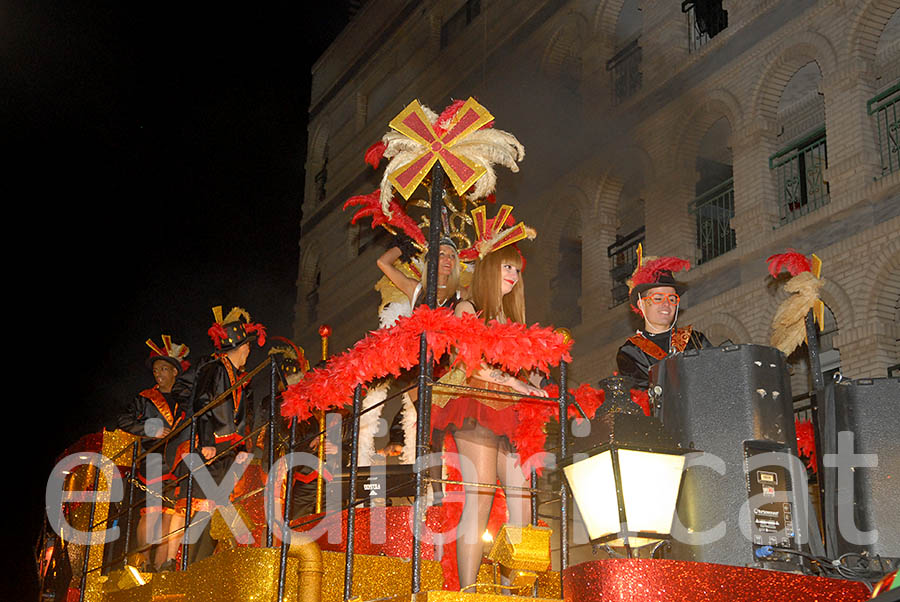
220, 430
152, 414
655, 295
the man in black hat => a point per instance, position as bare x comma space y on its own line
152, 414
656, 296
220, 430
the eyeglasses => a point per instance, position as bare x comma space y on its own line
658, 298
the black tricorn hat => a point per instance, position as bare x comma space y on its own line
664, 278
235, 329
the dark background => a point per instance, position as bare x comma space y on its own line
154, 169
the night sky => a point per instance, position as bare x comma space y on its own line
156, 154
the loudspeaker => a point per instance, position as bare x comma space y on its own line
733, 403
870, 409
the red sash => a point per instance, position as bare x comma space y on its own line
157, 399
680, 339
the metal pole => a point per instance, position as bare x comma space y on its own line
563, 492
270, 500
190, 494
286, 514
426, 370
818, 388
134, 455
351, 511
192, 446
88, 547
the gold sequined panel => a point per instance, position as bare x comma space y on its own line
240, 575
248, 574
376, 577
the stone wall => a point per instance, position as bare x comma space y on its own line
520, 58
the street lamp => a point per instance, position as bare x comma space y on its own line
625, 476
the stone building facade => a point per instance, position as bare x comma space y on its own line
773, 133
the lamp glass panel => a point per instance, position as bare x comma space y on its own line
594, 489
650, 484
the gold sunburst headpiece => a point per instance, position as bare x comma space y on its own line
463, 140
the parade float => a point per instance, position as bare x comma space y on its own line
623, 484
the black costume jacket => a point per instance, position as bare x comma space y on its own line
147, 405
223, 426
641, 351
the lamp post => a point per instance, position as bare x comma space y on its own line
626, 475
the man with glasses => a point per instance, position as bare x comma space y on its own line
656, 296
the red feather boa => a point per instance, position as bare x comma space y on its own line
391, 351
792, 261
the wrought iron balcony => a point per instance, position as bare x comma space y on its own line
625, 72
800, 175
713, 211
622, 262
885, 109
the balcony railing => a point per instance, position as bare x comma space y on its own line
713, 211
800, 174
622, 262
885, 109
625, 72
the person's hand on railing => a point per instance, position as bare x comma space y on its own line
208, 452
162, 432
330, 448
527, 388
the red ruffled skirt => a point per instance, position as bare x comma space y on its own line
494, 412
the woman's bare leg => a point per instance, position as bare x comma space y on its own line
512, 476
477, 447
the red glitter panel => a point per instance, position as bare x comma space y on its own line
643, 580
394, 540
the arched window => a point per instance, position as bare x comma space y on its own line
713, 206
624, 66
800, 165
565, 287
629, 233
884, 107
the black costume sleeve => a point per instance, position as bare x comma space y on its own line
632, 363
132, 420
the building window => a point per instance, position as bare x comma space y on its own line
625, 72
713, 212
322, 179
622, 263
705, 20
800, 176
451, 29
312, 299
565, 287
885, 110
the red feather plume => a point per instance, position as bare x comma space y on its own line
650, 271
217, 334
260, 331
794, 262
371, 207
375, 153
806, 442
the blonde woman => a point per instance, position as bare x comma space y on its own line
482, 427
